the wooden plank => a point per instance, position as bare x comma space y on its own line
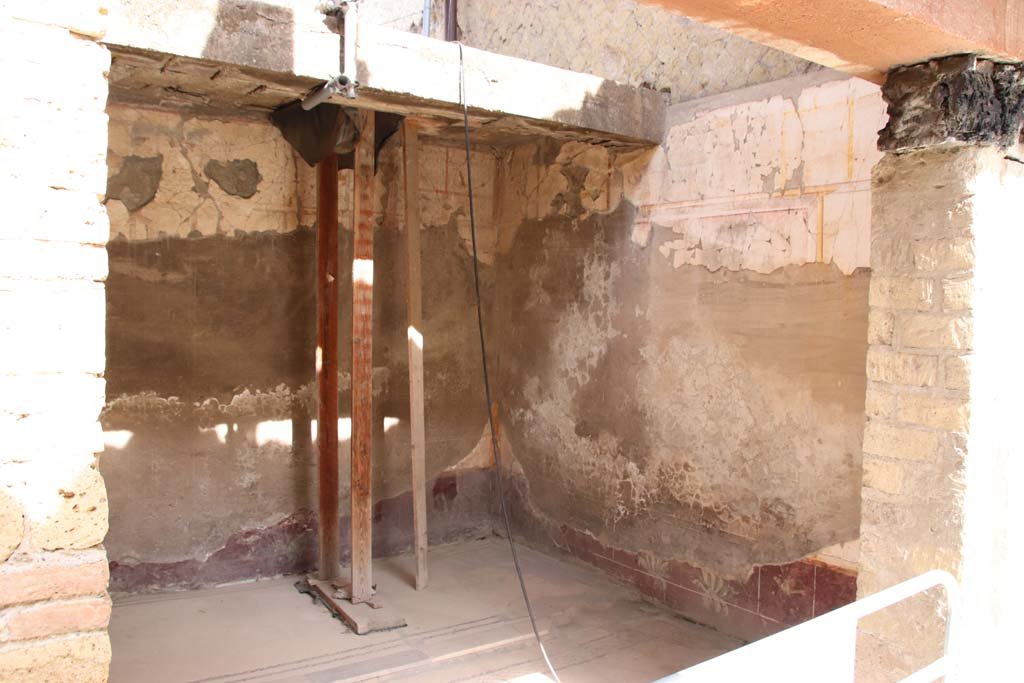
414, 311
362, 618
362, 361
327, 363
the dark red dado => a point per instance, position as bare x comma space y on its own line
461, 508
771, 599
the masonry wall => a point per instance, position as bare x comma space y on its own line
405, 15
53, 506
626, 41
210, 444
682, 365
939, 469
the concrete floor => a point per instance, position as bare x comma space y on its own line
468, 625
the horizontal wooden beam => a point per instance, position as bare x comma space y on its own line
291, 48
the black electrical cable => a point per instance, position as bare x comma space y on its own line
487, 379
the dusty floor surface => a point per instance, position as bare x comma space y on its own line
468, 625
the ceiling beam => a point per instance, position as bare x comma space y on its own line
293, 46
866, 38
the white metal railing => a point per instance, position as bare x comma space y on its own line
824, 648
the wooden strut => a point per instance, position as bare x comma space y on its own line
362, 362
327, 364
414, 311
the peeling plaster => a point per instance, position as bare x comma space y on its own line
691, 383
186, 203
762, 184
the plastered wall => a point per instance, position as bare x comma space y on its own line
630, 42
626, 41
684, 345
210, 452
679, 340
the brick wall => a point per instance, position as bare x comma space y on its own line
625, 41
53, 510
943, 370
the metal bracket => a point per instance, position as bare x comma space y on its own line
345, 84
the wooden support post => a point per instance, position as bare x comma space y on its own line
497, 431
362, 361
327, 362
414, 310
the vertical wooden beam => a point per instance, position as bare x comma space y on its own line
414, 310
327, 362
362, 361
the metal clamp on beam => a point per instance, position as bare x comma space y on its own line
346, 83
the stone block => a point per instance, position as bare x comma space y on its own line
56, 215
883, 475
893, 367
83, 88
879, 402
37, 437
957, 371
78, 164
937, 412
71, 396
77, 513
944, 255
880, 326
37, 320
957, 294
877, 516
891, 254
43, 260
934, 331
79, 659
903, 293
894, 441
